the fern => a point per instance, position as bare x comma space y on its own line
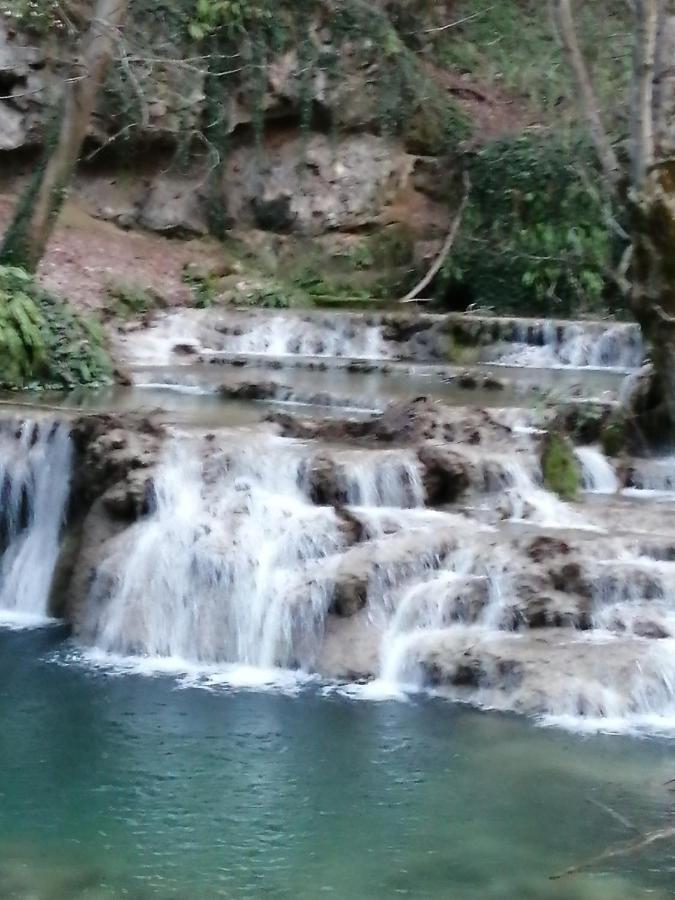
43, 343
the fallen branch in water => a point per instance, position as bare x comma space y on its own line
622, 850
445, 250
617, 816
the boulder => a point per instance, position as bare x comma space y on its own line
315, 185
175, 207
446, 474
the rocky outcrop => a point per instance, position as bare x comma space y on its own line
112, 488
286, 181
314, 186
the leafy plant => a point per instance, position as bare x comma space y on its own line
535, 237
38, 16
43, 343
128, 300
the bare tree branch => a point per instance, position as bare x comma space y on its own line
445, 250
587, 97
642, 107
640, 843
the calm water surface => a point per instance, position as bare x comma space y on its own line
135, 787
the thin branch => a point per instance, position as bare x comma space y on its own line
640, 843
412, 295
587, 97
481, 12
642, 106
617, 816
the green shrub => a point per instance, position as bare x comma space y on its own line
37, 16
127, 300
43, 343
534, 239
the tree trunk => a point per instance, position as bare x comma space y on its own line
588, 101
28, 234
652, 204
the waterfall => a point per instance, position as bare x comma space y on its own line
390, 478
243, 333
223, 570
597, 473
293, 335
35, 468
571, 344
653, 475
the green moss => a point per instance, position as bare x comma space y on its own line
614, 436
126, 300
43, 343
560, 467
460, 353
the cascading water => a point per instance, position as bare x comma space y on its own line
575, 345
35, 468
387, 478
653, 476
250, 334
597, 473
221, 571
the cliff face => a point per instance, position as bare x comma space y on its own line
315, 141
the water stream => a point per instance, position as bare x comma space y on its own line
35, 461
275, 584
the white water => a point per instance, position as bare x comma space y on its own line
597, 473
655, 475
390, 478
293, 335
208, 332
572, 345
35, 468
219, 572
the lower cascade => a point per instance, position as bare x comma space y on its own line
272, 552
219, 571
438, 560
35, 470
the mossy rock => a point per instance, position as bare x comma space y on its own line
614, 436
560, 467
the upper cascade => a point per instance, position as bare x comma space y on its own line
35, 470
576, 345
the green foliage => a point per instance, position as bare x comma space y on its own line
204, 287
614, 436
128, 300
513, 44
42, 342
236, 16
560, 467
534, 237
37, 16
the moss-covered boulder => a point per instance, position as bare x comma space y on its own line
560, 467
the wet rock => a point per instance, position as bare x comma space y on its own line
132, 498
445, 474
323, 482
467, 380
256, 390
539, 673
184, 349
350, 595
649, 629
542, 548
